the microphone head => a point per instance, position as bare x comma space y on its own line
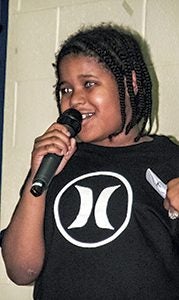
72, 119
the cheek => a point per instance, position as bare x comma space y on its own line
115, 113
105, 98
64, 105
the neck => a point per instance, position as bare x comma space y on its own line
122, 140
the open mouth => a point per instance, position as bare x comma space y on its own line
87, 115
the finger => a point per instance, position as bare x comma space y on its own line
173, 193
58, 127
166, 204
39, 152
172, 213
67, 156
52, 142
53, 136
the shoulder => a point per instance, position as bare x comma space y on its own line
166, 148
164, 140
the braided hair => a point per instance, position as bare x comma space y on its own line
118, 50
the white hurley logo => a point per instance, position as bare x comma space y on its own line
88, 208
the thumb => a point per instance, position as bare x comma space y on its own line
71, 150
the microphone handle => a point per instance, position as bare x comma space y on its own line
45, 173
71, 119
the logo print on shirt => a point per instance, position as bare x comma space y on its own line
87, 207
100, 211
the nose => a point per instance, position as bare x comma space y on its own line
77, 98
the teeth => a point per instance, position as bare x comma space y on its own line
86, 115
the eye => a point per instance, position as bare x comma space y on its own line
65, 91
89, 84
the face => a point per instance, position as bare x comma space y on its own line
89, 87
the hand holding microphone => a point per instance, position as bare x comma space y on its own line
71, 119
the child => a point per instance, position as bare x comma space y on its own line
100, 231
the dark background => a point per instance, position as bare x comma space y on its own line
3, 47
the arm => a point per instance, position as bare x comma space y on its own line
23, 242
2, 232
23, 246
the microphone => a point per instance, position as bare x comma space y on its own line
72, 120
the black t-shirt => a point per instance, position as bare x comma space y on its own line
107, 233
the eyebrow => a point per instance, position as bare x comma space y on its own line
87, 76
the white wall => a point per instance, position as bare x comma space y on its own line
36, 28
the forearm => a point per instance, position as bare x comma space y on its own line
23, 242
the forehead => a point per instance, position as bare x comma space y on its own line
79, 63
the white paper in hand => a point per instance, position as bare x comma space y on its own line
156, 183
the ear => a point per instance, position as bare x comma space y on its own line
134, 82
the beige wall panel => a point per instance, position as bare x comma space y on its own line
121, 12
15, 293
14, 4
3, 276
34, 109
39, 102
162, 34
162, 30
29, 5
168, 100
34, 40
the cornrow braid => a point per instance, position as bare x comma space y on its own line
118, 50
